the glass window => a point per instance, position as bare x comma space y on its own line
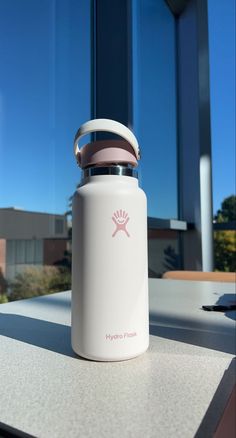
38, 251
154, 93
10, 252
29, 251
163, 252
221, 22
59, 226
44, 98
20, 251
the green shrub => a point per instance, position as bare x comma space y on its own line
225, 250
35, 281
3, 298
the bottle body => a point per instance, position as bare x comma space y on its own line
109, 269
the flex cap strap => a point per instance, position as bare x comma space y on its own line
108, 126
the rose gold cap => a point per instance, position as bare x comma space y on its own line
107, 152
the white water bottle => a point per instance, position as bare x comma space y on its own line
109, 248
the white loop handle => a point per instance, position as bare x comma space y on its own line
109, 126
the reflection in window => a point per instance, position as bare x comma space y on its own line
154, 74
163, 252
44, 97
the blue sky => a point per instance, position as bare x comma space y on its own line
222, 80
45, 96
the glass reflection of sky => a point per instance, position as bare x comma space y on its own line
155, 103
45, 96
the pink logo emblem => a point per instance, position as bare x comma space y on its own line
120, 219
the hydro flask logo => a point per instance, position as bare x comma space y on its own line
120, 219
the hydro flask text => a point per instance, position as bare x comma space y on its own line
125, 335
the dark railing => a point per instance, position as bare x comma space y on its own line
224, 226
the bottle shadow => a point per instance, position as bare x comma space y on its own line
227, 299
44, 334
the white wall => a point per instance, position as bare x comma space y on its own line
19, 224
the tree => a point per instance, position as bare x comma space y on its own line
225, 250
225, 241
172, 260
227, 213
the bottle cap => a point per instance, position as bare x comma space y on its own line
106, 151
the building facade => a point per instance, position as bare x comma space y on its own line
30, 239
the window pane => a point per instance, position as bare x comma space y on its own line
44, 98
163, 252
29, 251
38, 248
221, 25
221, 22
10, 252
154, 73
59, 226
20, 251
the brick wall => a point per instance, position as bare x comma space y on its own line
3, 256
